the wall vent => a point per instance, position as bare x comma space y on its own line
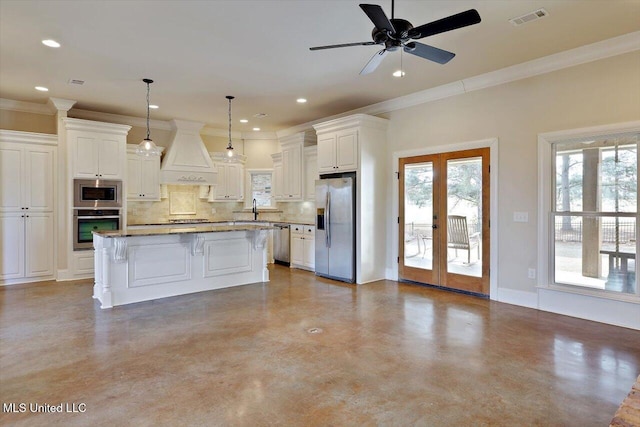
528, 17
76, 82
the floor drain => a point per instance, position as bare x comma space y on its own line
315, 331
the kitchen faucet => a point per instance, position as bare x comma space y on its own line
254, 209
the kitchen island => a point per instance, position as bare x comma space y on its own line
146, 264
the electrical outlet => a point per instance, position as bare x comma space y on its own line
521, 217
531, 273
213, 210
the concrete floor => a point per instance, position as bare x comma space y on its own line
385, 354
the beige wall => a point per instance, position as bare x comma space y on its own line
597, 93
27, 122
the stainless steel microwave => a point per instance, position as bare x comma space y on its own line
97, 193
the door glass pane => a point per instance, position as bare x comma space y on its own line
596, 252
464, 216
418, 214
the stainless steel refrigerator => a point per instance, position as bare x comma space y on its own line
335, 228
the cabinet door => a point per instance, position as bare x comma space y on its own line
12, 245
40, 178
347, 151
309, 252
134, 177
292, 172
39, 242
327, 153
85, 154
310, 173
110, 150
277, 181
150, 178
234, 176
12, 184
220, 189
297, 250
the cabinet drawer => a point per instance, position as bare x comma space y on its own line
297, 229
309, 231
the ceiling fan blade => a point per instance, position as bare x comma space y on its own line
378, 17
374, 62
459, 20
332, 46
429, 52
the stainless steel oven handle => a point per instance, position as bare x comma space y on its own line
97, 217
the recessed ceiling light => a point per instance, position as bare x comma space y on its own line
260, 115
256, 129
153, 107
244, 121
42, 89
301, 100
50, 43
398, 73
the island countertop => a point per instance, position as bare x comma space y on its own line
168, 229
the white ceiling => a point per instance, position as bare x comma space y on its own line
258, 50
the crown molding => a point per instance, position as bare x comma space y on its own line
120, 119
28, 137
26, 107
59, 104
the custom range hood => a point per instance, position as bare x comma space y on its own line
187, 160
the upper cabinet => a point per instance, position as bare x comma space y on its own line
338, 151
277, 176
230, 176
96, 150
290, 180
143, 176
310, 172
27, 176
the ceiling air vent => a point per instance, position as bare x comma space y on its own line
76, 82
531, 16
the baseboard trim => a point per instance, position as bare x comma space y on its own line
516, 297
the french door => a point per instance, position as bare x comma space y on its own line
444, 220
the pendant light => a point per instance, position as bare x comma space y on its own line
230, 146
147, 148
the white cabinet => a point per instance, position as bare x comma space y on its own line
303, 248
96, 150
229, 186
26, 250
278, 193
230, 177
27, 206
310, 172
338, 151
143, 176
292, 172
26, 177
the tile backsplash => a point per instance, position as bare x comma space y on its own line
184, 199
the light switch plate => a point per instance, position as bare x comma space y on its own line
521, 217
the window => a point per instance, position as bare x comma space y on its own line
260, 188
593, 219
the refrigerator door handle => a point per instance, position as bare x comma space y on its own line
327, 210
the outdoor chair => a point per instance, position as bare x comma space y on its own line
459, 237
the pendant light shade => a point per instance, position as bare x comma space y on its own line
147, 148
230, 146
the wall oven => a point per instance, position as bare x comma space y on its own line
87, 220
97, 193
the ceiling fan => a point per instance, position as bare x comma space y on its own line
397, 33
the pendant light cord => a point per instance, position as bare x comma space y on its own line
148, 133
229, 97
